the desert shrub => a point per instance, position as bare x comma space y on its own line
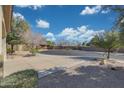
33, 51
22, 79
9, 51
1, 59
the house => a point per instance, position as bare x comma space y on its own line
5, 26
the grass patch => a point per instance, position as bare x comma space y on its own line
22, 79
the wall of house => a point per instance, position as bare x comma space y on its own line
1, 16
2, 41
3, 35
1, 56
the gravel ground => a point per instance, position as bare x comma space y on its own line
81, 69
85, 76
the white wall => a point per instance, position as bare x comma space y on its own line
1, 17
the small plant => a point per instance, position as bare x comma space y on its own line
33, 51
9, 51
1, 59
22, 79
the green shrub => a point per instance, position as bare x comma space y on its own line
9, 51
1, 59
22, 79
34, 51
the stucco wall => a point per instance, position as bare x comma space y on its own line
1, 57
1, 16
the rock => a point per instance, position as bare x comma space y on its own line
117, 68
103, 62
113, 68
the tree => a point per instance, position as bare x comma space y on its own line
50, 44
19, 27
120, 26
108, 41
13, 39
33, 40
119, 22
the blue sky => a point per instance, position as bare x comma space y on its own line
71, 23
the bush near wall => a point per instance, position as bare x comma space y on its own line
1, 59
1, 66
22, 79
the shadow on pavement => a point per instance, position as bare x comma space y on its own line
88, 77
85, 58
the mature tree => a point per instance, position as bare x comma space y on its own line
119, 22
120, 25
13, 39
19, 27
33, 39
108, 41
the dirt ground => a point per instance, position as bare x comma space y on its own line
78, 71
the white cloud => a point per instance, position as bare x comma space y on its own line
22, 6
79, 34
71, 35
87, 37
15, 15
105, 11
69, 32
82, 29
50, 37
34, 7
42, 23
93, 10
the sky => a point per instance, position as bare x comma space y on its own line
73, 23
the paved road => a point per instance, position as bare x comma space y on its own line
83, 54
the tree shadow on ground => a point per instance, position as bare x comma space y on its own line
87, 77
85, 58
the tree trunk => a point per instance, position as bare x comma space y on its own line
108, 54
12, 49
